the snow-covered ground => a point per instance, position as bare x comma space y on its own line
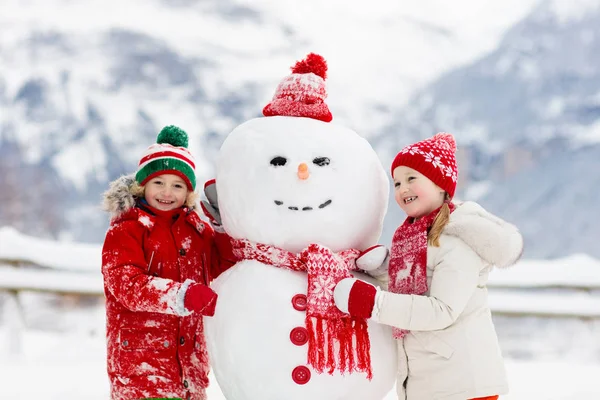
549, 356
71, 366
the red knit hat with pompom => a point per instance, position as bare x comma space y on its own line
435, 158
303, 93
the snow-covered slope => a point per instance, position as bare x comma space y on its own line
84, 87
527, 116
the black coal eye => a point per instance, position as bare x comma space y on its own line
321, 161
278, 161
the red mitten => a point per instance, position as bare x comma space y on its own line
355, 297
200, 298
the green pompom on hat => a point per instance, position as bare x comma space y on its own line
173, 135
168, 156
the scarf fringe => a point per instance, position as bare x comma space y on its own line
350, 335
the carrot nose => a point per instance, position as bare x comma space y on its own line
303, 171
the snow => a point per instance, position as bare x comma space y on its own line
58, 281
568, 10
72, 266
340, 205
69, 364
548, 304
72, 367
378, 57
477, 190
87, 161
578, 270
586, 135
15, 246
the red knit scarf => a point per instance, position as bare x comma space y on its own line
329, 329
408, 258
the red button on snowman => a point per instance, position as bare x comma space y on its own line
302, 198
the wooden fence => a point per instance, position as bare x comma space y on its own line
545, 298
508, 296
21, 276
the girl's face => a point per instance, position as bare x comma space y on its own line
416, 194
166, 192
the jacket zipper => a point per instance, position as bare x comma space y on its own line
150, 263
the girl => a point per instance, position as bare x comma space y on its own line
157, 261
438, 268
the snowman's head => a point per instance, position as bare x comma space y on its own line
293, 181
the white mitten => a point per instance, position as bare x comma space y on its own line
374, 260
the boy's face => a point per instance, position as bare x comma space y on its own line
166, 192
416, 194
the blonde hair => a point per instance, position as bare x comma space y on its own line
439, 223
139, 191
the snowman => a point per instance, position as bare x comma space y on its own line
304, 201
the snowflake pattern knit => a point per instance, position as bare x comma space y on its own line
329, 329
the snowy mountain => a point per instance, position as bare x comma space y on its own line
528, 118
85, 87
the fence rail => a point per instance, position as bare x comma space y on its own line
509, 298
563, 303
552, 298
16, 279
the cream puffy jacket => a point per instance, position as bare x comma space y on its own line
452, 351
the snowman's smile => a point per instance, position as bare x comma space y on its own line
304, 208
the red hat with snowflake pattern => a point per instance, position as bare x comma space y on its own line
434, 157
303, 93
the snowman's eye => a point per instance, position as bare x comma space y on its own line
278, 161
321, 161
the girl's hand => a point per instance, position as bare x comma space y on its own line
374, 261
355, 297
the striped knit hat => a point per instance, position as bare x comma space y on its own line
168, 156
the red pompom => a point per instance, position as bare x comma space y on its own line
448, 138
312, 63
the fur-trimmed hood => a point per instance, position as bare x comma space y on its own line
119, 199
493, 239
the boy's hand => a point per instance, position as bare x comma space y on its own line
200, 298
211, 207
355, 297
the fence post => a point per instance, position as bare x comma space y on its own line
15, 320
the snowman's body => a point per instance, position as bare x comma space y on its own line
255, 338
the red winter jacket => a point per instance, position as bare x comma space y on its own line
155, 347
